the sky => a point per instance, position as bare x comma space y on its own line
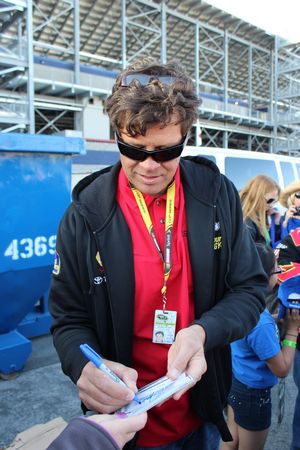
281, 18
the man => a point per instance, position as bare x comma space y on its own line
155, 241
289, 252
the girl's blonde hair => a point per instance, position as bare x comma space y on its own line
291, 199
254, 202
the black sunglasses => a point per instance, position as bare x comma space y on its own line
271, 200
297, 194
144, 78
278, 270
161, 155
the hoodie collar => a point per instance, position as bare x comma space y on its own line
94, 196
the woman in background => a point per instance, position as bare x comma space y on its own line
258, 198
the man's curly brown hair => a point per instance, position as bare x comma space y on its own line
135, 107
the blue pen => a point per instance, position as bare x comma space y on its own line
98, 361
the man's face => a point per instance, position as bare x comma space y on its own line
159, 337
151, 177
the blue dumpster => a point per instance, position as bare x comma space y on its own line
35, 185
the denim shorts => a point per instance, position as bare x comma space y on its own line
252, 407
207, 437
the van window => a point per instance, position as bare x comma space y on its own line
240, 170
287, 172
298, 169
210, 157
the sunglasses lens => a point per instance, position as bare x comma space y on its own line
271, 200
297, 195
131, 152
144, 79
168, 154
163, 155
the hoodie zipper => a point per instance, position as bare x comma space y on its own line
109, 298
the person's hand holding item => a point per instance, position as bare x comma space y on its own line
292, 320
187, 355
122, 429
290, 212
100, 431
100, 393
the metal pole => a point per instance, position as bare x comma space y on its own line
30, 80
124, 24
275, 97
163, 35
250, 72
225, 69
225, 139
197, 68
76, 12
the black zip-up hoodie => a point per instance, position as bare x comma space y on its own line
93, 302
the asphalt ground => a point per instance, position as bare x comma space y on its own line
42, 392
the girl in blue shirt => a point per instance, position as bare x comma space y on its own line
257, 361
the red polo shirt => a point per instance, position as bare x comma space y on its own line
173, 419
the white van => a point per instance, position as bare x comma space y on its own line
238, 165
241, 165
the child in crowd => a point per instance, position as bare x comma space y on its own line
289, 252
257, 361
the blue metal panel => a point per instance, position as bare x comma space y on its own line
54, 62
14, 351
35, 185
35, 191
42, 143
101, 157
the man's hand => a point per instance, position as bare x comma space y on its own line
100, 393
187, 355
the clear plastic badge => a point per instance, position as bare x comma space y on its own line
164, 327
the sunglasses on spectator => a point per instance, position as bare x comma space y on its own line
297, 194
278, 270
270, 201
160, 155
144, 78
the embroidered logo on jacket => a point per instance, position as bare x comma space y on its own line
99, 279
218, 237
56, 266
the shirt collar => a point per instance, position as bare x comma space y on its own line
128, 196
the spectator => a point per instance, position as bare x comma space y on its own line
167, 237
289, 251
257, 361
289, 248
258, 198
290, 199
